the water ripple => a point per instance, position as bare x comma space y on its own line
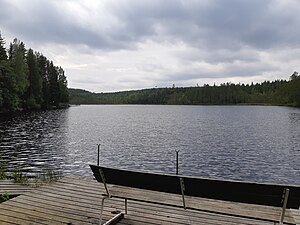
233, 142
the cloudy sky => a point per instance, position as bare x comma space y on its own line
119, 45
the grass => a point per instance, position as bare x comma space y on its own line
18, 176
2, 173
47, 177
4, 197
2, 170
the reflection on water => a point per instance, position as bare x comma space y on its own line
234, 142
32, 141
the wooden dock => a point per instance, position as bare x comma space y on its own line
77, 200
12, 188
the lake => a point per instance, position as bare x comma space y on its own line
253, 143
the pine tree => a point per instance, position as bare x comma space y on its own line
34, 91
17, 58
53, 85
43, 65
29, 80
295, 88
3, 57
63, 86
8, 90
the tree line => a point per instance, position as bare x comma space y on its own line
278, 92
28, 80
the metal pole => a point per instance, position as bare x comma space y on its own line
285, 200
98, 159
177, 162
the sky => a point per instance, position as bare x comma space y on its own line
107, 46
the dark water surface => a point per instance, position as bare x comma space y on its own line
256, 143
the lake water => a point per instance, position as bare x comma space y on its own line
255, 143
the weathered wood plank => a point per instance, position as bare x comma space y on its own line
193, 217
229, 208
78, 201
6, 223
274, 212
296, 215
48, 193
14, 189
54, 206
46, 214
243, 210
11, 216
160, 196
267, 210
135, 210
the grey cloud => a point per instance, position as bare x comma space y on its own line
6, 10
42, 22
211, 24
230, 70
220, 56
218, 24
242, 34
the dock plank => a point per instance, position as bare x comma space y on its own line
296, 215
12, 188
70, 193
77, 200
11, 216
217, 206
195, 217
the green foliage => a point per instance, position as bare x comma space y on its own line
50, 176
19, 177
3, 55
4, 197
295, 88
29, 80
32, 103
47, 176
19, 67
53, 85
8, 89
1, 98
2, 173
62, 86
10, 99
267, 93
34, 91
43, 64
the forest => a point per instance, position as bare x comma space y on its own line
28, 80
278, 92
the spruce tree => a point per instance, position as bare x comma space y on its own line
63, 86
3, 57
8, 90
53, 85
34, 91
295, 88
43, 65
18, 63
